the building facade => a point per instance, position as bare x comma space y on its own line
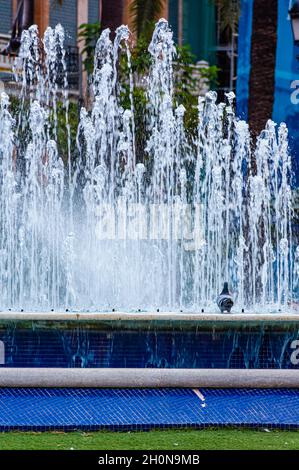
193, 22
70, 13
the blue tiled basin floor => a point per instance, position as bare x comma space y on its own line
132, 409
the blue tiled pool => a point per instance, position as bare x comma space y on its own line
127, 344
176, 344
127, 409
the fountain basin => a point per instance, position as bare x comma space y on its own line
149, 340
66, 371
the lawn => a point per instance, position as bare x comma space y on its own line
209, 439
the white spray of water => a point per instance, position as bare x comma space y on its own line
114, 232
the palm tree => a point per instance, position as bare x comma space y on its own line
263, 57
112, 14
144, 14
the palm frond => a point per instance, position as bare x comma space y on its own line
229, 11
144, 13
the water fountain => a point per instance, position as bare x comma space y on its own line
107, 229
112, 256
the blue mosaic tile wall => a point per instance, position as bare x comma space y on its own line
129, 409
83, 347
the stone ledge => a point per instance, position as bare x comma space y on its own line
148, 378
150, 316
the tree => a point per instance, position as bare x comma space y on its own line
112, 14
144, 14
263, 58
89, 34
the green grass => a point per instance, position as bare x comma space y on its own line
209, 439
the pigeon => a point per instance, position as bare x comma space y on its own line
225, 300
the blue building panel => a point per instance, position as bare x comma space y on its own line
93, 11
6, 16
65, 14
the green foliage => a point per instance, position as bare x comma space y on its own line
187, 83
144, 14
188, 80
62, 132
140, 63
22, 108
141, 58
89, 33
187, 77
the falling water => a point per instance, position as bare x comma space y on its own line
108, 229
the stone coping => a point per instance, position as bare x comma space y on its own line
119, 316
149, 378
